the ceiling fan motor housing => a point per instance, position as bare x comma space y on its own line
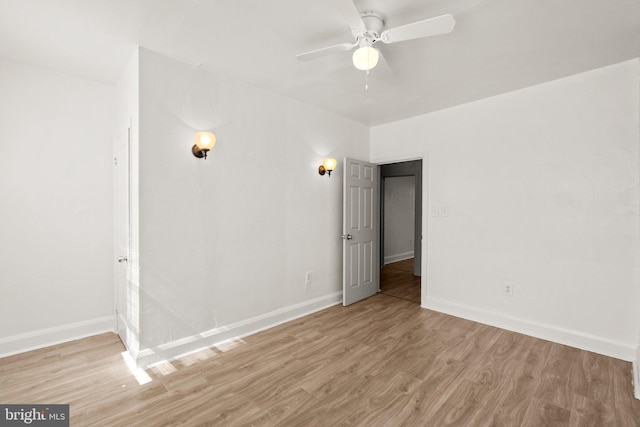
373, 24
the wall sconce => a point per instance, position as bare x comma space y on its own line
204, 142
327, 166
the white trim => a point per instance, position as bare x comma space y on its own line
398, 257
600, 345
243, 328
28, 341
426, 208
397, 159
636, 374
129, 335
636, 378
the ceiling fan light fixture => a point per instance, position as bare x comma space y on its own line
365, 58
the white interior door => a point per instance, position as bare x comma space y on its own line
123, 230
360, 277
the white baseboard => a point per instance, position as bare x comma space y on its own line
51, 336
182, 347
600, 345
399, 257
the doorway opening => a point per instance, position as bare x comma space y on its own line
401, 230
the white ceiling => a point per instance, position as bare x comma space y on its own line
497, 45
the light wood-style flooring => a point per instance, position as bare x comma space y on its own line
382, 361
397, 280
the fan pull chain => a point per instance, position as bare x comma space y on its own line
366, 80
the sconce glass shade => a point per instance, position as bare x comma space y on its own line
327, 166
329, 163
365, 58
205, 140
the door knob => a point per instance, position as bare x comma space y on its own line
123, 259
347, 236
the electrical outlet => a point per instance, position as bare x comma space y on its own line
508, 288
308, 278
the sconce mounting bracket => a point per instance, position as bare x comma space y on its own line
198, 152
322, 170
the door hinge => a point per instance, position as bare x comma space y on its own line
115, 161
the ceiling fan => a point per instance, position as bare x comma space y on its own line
368, 29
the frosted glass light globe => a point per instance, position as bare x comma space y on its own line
329, 163
365, 58
205, 140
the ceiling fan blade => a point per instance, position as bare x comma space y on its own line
343, 47
383, 69
429, 27
349, 12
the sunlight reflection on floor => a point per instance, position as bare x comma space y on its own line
163, 368
225, 346
140, 375
192, 358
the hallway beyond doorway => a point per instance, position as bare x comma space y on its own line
397, 280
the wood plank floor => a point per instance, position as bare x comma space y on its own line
382, 361
397, 280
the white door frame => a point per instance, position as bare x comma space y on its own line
425, 214
122, 225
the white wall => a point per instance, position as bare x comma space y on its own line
399, 218
55, 205
542, 189
230, 238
